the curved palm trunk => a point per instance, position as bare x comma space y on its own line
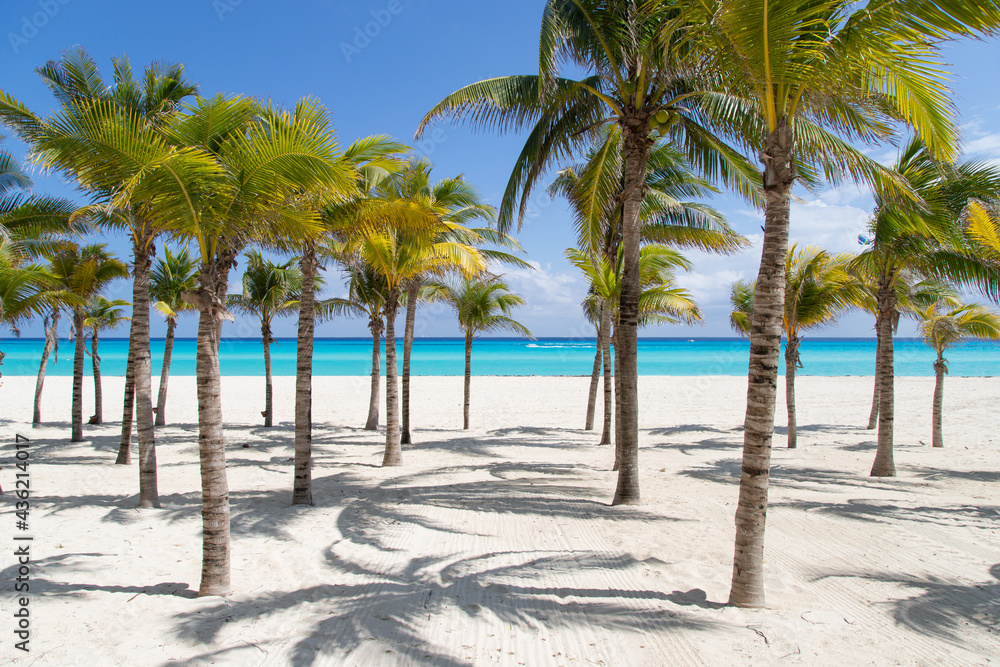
595, 380
268, 382
762, 378
78, 359
884, 465
51, 343
215, 561
636, 144
302, 486
128, 405
873, 415
411, 318
168, 353
617, 408
791, 364
940, 368
95, 360
609, 400
376, 328
393, 451
468, 380
142, 370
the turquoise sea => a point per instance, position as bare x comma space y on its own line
507, 356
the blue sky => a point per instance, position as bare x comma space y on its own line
379, 66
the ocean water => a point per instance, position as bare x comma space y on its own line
507, 356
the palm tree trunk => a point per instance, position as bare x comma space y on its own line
873, 415
51, 343
376, 328
128, 405
215, 564
142, 369
168, 353
940, 368
411, 318
609, 399
78, 360
212, 454
791, 364
765, 352
393, 452
468, 380
302, 486
636, 144
595, 383
884, 465
268, 383
95, 360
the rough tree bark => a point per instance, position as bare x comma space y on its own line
937, 433
168, 353
765, 352
142, 371
791, 365
265, 336
393, 451
302, 486
128, 405
884, 465
215, 565
51, 345
78, 359
95, 361
636, 145
468, 380
411, 318
375, 326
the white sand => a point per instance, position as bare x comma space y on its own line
498, 545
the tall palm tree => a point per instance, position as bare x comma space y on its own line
269, 290
81, 274
801, 76
669, 215
483, 305
818, 289
51, 347
171, 276
366, 295
68, 141
660, 302
635, 79
403, 239
928, 242
102, 315
942, 327
370, 159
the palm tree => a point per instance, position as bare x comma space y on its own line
636, 81
101, 315
365, 297
483, 306
51, 347
403, 239
660, 302
269, 290
70, 141
668, 215
25, 291
81, 274
371, 159
169, 279
799, 76
927, 242
818, 289
943, 326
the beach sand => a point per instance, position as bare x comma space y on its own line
499, 546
